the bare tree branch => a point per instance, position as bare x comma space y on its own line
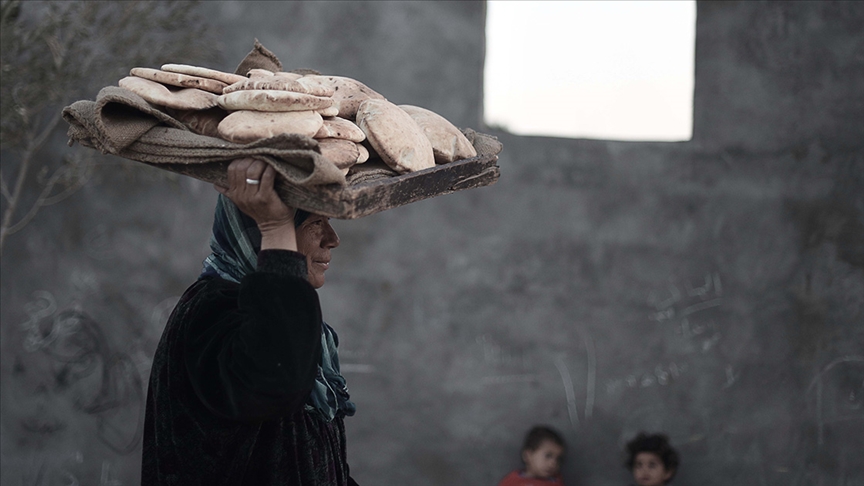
10, 228
13, 204
33, 147
45, 198
57, 51
38, 140
84, 171
4, 189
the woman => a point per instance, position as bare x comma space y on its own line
245, 387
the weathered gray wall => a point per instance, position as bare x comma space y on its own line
712, 289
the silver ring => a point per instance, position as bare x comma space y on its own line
253, 182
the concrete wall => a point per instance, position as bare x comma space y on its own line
710, 289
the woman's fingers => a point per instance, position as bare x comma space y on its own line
268, 189
253, 173
240, 172
252, 191
257, 200
237, 174
267, 178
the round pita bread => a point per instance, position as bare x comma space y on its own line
159, 94
335, 127
364, 153
348, 93
227, 78
281, 83
395, 136
248, 126
314, 85
179, 80
272, 82
343, 153
291, 76
330, 112
259, 73
448, 143
272, 100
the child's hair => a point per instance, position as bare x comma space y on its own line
538, 434
654, 443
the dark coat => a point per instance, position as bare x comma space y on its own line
229, 384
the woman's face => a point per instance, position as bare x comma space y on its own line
315, 239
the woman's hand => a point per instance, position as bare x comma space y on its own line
250, 187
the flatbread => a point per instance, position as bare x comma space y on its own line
281, 83
364, 153
227, 78
348, 93
259, 73
314, 85
272, 100
335, 127
248, 126
159, 94
179, 80
448, 143
330, 112
283, 74
395, 136
271, 82
343, 153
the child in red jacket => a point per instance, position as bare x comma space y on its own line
541, 452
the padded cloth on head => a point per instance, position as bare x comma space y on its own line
300, 216
259, 58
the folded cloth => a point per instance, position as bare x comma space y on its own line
259, 58
483, 144
122, 123
374, 170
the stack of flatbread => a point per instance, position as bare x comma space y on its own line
351, 122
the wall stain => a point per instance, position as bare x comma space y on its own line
831, 221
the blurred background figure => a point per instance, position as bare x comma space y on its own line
651, 459
542, 451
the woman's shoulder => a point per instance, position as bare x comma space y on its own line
203, 296
208, 289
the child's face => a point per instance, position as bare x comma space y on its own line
544, 461
649, 470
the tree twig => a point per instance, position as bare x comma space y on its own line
45, 198
79, 183
32, 147
16, 195
4, 189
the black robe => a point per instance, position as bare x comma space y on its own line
229, 383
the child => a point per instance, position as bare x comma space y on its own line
541, 453
651, 460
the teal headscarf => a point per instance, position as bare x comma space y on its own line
235, 243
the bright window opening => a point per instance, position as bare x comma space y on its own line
613, 70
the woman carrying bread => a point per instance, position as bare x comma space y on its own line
245, 387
